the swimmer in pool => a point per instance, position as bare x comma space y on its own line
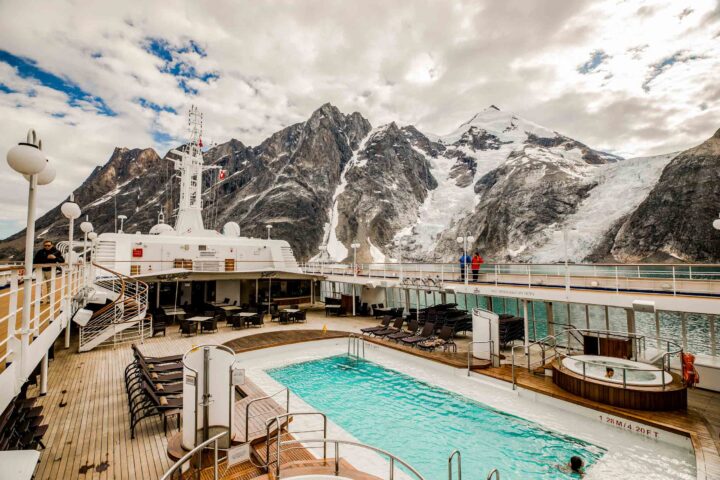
575, 466
609, 372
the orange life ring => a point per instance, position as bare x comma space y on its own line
689, 373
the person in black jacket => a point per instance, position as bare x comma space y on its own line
48, 254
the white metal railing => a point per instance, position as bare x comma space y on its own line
124, 319
286, 391
51, 295
672, 279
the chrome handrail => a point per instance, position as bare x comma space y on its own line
471, 355
214, 440
459, 464
266, 397
393, 459
276, 420
495, 472
354, 343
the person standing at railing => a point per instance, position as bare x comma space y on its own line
48, 254
477, 260
464, 262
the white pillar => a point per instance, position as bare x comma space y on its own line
526, 325
43, 374
257, 290
27, 278
69, 282
312, 292
353, 298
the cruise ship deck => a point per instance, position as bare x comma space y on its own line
86, 403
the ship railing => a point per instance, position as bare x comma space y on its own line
50, 297
669, 279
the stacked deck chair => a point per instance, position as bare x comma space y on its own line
412, 329
444, 339
21, 425
427, 331
385, 323
154, 388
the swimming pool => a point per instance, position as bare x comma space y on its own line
422, 423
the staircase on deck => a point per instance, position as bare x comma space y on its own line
124, 319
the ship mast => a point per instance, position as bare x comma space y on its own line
190, 165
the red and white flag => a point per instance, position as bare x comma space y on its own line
222, 174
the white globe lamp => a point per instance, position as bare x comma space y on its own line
70, 210
716, 224
86, 227
46, 176
26, 158
92, 236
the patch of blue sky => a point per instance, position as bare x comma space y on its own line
77, 97
145, 103
596, 59
665, 64
176, 66
5, 89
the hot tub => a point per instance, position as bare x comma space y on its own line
636, 373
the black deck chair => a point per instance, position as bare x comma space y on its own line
396, 327
152, 405
384, 323
427, 330
411, 330
444, 340
153, 360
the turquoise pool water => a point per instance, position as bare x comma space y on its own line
422, 424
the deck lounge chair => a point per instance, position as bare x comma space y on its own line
396, 327
155, 360
444, 340
150, 405
412, 329
425, 334
384, 323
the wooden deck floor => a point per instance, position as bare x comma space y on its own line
86, 405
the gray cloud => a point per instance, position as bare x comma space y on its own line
429, 63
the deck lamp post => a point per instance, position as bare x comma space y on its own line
269, 227
85, 227
92, 236
464, 240
71, 211
122, 219
355, 246
400, 244
565, 232
28, 159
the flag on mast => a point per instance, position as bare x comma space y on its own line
222, 174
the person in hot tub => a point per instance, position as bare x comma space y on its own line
609, 372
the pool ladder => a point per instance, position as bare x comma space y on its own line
494, 473
356, 346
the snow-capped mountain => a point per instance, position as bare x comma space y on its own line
334, 180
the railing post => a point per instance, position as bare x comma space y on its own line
215, 466
392, 468
12, 310
38, 294
337, 458
674, 283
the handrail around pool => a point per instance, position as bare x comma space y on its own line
393, 459
471, 355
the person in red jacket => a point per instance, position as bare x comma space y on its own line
477, 260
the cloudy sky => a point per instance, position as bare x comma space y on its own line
631, 77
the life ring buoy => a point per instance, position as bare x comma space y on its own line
689, 373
